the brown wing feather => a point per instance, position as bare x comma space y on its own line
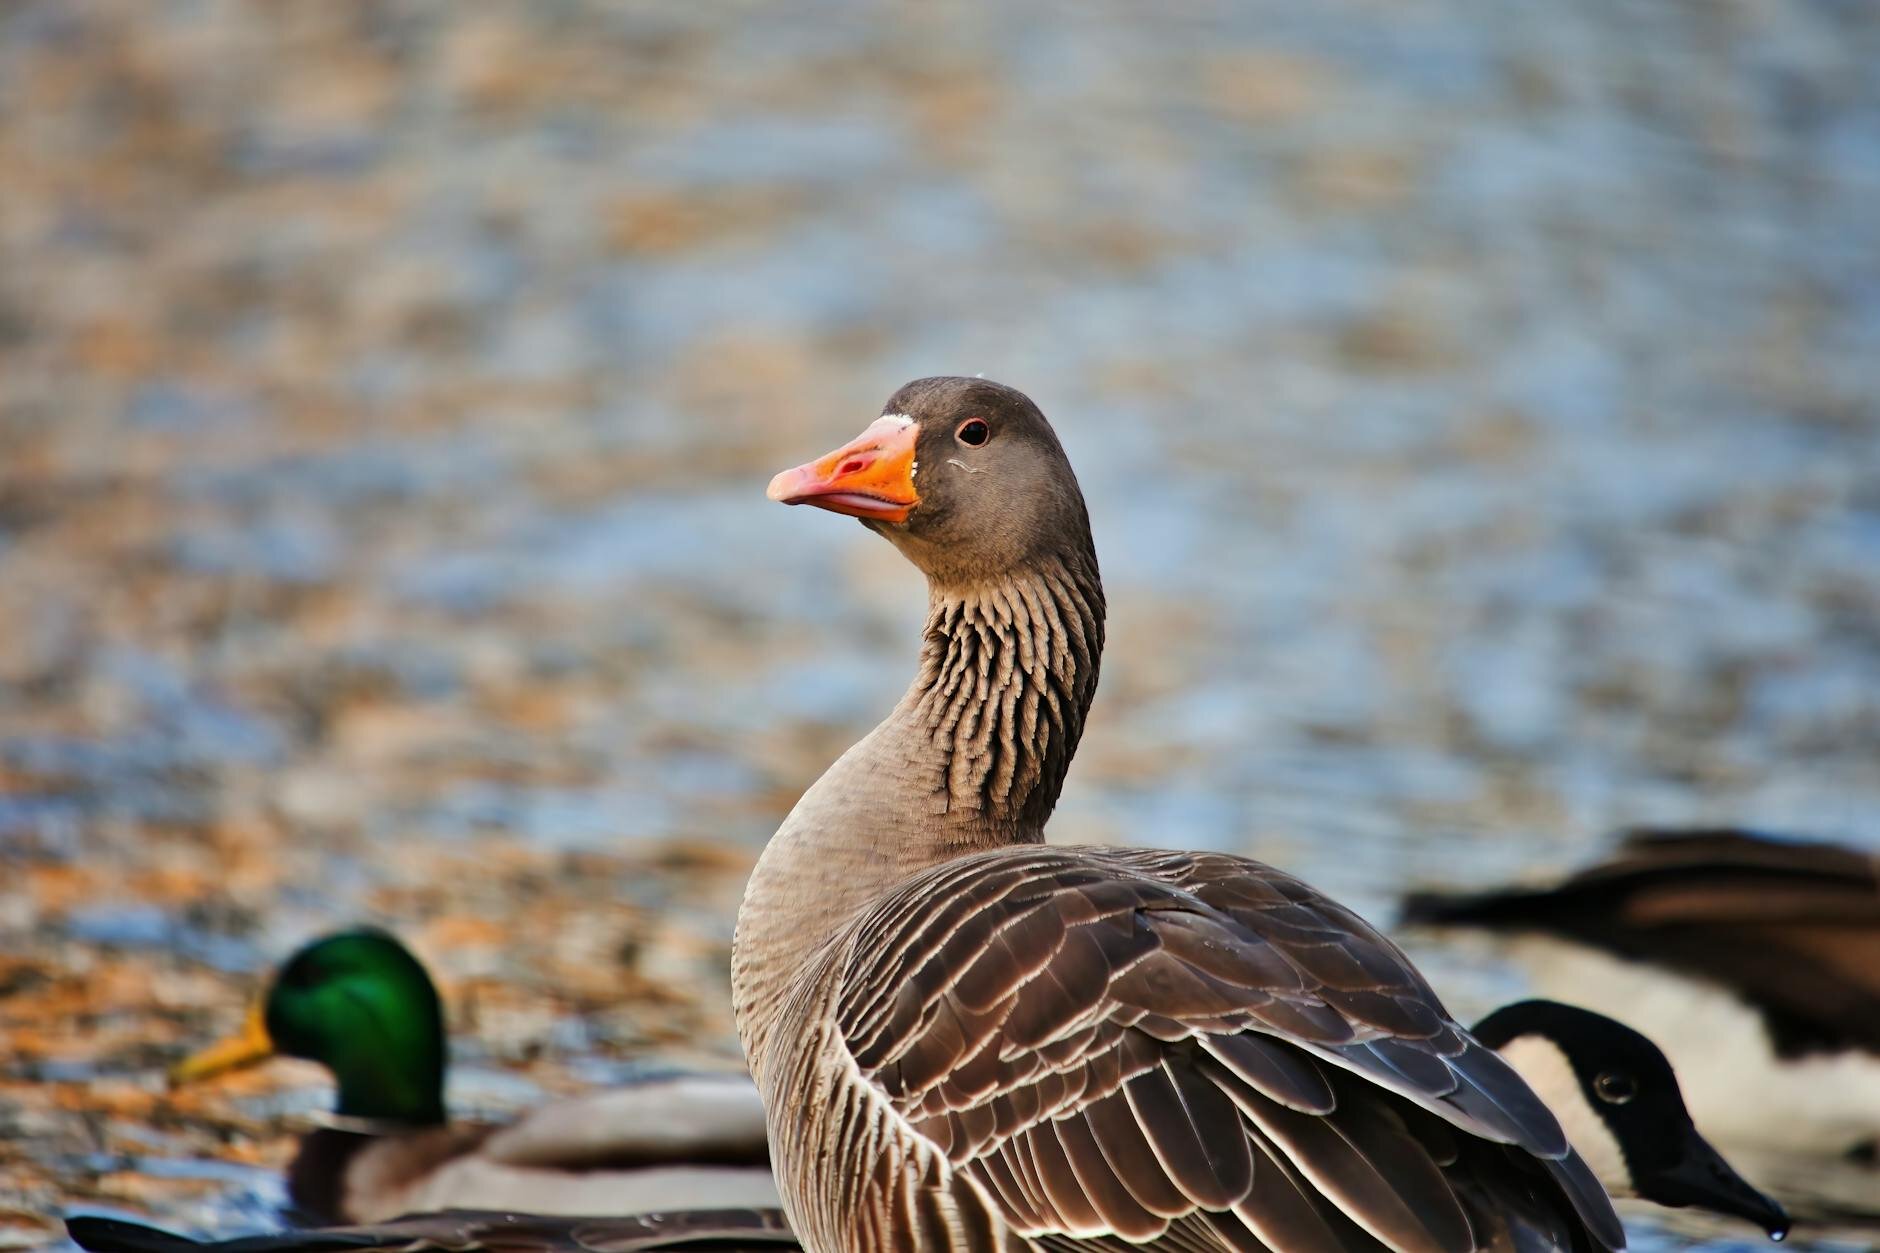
1098, 1180
1361, 1157
1394, 1030
1195, 1051
1284, 1211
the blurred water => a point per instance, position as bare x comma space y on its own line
1476, 406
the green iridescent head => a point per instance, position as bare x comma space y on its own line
359, 1004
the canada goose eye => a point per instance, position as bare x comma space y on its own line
973, 432
1615, 1088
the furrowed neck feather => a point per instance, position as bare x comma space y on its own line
1007, 671
972, 758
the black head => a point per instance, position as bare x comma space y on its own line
965, 476
1617, 1097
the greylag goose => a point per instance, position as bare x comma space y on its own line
1611, 1088
1753, 961
966, 1039
361, 1005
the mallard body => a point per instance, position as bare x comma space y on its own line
360, 1004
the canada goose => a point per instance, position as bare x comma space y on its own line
1753, 961
361, 1005
968, 1039
1611, 1088
1619, 1101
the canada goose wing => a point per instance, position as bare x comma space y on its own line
1791, 927
1189, 1048
1650, 848
1667, 877
462, 1231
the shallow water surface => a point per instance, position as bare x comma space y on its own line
1476, 408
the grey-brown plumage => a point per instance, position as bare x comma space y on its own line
967, 1040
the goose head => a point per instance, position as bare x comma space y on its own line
963, 475
1620, 1105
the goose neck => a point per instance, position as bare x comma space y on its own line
972, 758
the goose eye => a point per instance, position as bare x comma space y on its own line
973, 432
1615, 1088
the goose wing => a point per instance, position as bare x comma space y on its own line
1198, 1051
1792, 927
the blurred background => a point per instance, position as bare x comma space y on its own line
1479, 407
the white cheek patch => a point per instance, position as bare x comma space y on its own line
955, 461
1550, 1074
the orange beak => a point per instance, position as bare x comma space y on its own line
871, 476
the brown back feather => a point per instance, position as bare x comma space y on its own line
1196, 1050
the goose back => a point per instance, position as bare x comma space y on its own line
1062, 1047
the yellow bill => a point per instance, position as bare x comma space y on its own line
250, 1047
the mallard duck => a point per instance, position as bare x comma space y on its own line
968, 1039
1612, 1089
1754, 961
362, 1006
